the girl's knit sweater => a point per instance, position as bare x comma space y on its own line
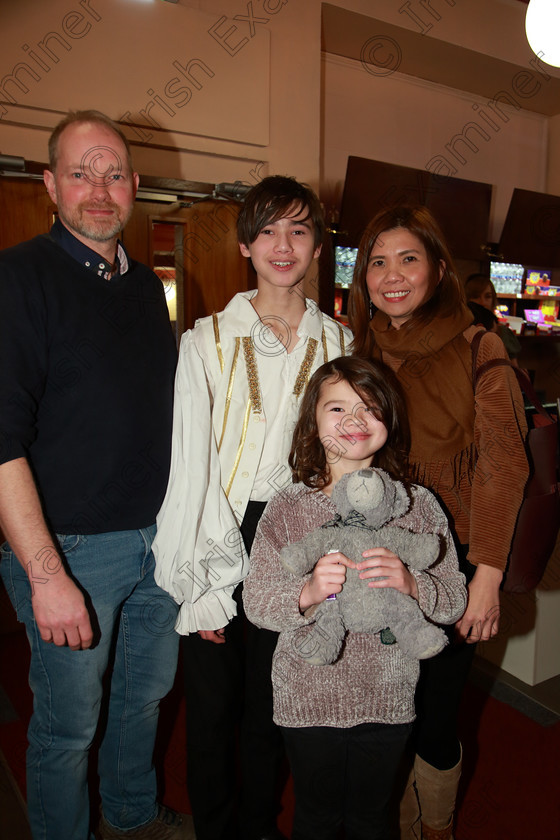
371, 681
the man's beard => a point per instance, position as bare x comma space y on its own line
98, 229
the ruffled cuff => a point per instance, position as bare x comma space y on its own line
210, 612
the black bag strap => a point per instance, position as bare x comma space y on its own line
523, 379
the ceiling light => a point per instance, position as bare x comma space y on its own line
542, 25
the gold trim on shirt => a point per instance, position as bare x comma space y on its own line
303, 374
229, 390
240, 447
252, 374
325, 348
325, 345
216, 325
254, 403
341, 338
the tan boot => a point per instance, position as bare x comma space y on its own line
437, 834
409, 811
437, 792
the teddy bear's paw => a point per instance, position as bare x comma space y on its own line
319, 660
316, 652
321, 645
424, 551
434, 644
436, 648
294, 559
428, 642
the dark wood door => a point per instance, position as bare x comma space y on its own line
25, 210
200, 244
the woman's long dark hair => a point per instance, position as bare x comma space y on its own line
379, 389
448, 294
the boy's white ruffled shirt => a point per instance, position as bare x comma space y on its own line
200, 557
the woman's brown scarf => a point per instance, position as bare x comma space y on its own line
433, 363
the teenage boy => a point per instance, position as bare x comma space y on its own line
240, 379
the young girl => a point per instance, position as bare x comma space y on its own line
345, 725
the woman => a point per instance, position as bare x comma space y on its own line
480, 289
407, 307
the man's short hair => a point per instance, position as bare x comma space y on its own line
277, 197
91, 116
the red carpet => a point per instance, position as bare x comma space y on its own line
510, 788
511, 783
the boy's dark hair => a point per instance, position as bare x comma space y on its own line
377, 386
276, 197
90, 116
448, 294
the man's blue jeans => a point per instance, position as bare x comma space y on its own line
133, 621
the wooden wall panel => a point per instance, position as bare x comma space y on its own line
25, 210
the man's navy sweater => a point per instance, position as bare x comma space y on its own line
86, 387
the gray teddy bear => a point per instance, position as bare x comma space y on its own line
366, 500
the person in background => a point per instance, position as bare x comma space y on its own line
86, 388
407, 308
345, 725
479, 289
241, 376
483, 317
